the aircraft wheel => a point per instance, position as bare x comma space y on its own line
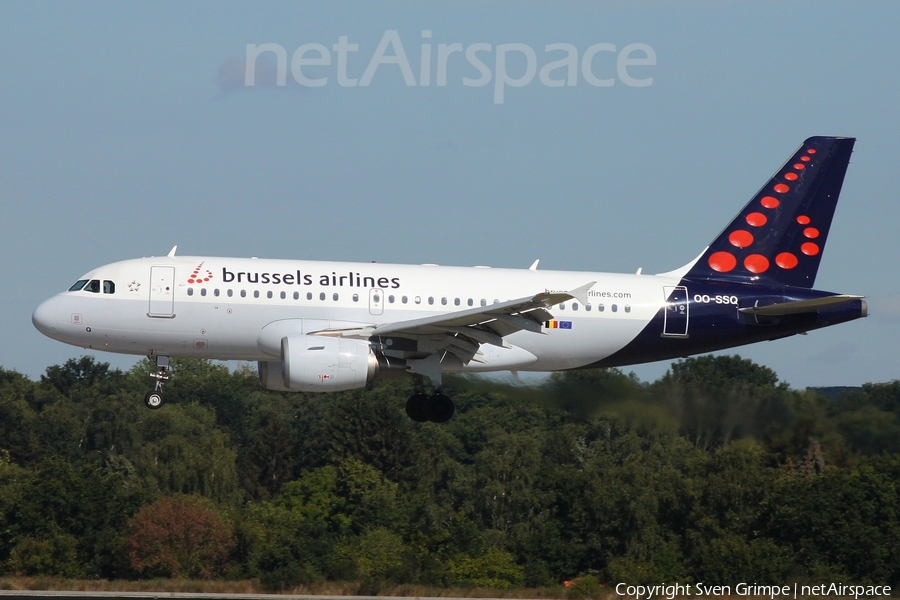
416, 407
440, 408
153, 400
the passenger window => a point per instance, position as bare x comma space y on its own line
202, 291
93, 286
418, 299
483, 302
600, 308
309, 295
471, 302
269, 294
190, 291
216, 292
587, 307
356, 297
109, 287
430, 299
562, 306
335, 298
391, 299
78, 285
615, 308
444, 301
574, 306
256, 293
404, 299
627, 308
296, 295
283, 295
230, 293
456, 301
321, 295
243, 293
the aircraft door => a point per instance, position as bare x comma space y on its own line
376, 301
675, 321
162, 292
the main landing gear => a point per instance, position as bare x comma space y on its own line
154, 399
436, 407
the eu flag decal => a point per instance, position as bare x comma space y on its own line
558, 324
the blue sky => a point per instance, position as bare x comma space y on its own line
125, 131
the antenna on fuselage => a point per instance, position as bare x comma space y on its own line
534, 265
172, 251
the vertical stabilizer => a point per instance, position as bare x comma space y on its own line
780, 235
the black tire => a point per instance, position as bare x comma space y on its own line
153, 400
416, 407
440, 408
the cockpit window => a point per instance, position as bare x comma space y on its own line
93, 286
109, 287
78, 285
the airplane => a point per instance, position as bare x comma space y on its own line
331, 326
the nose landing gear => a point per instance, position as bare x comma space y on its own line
154, 399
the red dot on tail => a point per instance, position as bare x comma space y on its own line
805, 158
722, 262
756, 263
811, 232
799, 166
769, 202
786, 260
790, 176
740, 238
809, 249
781, 188
190, 281
757, 219
811, 151
803, 220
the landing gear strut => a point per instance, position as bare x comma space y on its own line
436, 407
154, 399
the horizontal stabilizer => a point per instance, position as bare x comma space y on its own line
800, 306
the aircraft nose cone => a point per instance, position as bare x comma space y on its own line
45, 316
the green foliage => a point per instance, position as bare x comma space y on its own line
54, 555
716, 472
496, 568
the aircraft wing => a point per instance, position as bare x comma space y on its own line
462, 332
799, 306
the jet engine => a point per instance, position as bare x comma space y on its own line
312, 363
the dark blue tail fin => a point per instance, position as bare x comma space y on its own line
781, 233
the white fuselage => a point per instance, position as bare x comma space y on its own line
219, 307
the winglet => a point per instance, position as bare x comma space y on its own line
581, 292
172, 251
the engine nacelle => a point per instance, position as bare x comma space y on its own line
312, 363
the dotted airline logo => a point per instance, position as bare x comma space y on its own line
196, 277
723, 261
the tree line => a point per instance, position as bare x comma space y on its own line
716, 472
